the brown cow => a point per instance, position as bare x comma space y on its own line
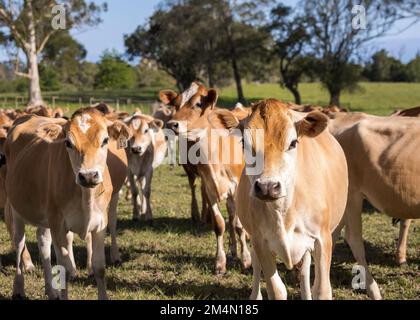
289, 209
383, 167
219, 179
69, 190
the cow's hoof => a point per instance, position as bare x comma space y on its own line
117, 262
403, 264
149, 223
19, 296
220, 269
30, 268
136, 218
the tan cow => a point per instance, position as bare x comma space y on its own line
145, 151
220, 180
68, 190
382, 155
171, 98
293, 206
404, 223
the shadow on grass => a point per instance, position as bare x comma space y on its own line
165, 225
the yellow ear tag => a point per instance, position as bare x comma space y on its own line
122, 143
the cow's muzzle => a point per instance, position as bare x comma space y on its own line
267, 190
89, 178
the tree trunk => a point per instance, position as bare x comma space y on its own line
238, 81
335, 98
35, 97
296, 94
233, 57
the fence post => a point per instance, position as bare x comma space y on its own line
16, 102
118, 104
91, 101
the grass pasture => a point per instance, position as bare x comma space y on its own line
174, 260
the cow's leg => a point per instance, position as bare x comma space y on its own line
134, 196
275, 287
44, 246
69, 245
61, 239
246, 260
402, 241
146, 186
19, 245
28, 265
337, 232
128, 194
194, 205
305, 277
256, 277
230, 205
322, 258
205, 210
89, 254
353, 236
98, 262
112, 218
219, 230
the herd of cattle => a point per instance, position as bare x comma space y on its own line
64, 176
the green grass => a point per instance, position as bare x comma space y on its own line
375, 98
173, 260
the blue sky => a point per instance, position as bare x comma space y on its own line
124, 16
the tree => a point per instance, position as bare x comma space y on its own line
190, 39
413, 69
169, 38
290, 36
28, 25
64, 55
114, 73
385, 68
337, 35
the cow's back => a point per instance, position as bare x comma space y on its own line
384, 163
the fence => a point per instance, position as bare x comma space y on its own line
147, 106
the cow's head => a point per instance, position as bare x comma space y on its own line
142, 132
282, 131
86, 136
191, 107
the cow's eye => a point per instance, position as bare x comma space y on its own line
68, 144
105, 142
293, 144
199, 105
146, 130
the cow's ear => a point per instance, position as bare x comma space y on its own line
169, 97
156, 124
50, 132
211, 98
119, 132
312, 125
223, 119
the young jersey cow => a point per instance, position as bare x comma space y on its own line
293, 206
145, 151
69, 189
382, 155
220, 180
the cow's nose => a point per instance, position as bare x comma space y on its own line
267, 190
89, 179
136, 150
